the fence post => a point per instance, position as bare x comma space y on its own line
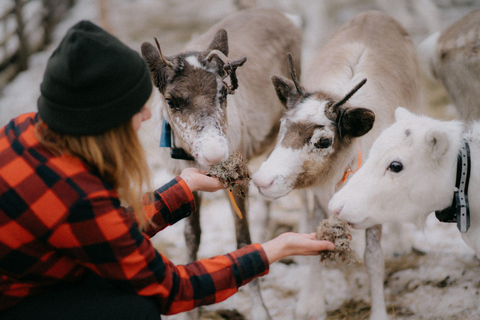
48, 20
23, 45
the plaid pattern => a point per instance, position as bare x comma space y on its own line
58, 220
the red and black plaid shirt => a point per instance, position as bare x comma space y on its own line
58, 220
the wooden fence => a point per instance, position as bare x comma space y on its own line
26, 26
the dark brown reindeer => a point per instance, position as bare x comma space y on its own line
325, 133
209, 122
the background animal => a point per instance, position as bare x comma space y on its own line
452, 56
209, 117
322, 136
411, 172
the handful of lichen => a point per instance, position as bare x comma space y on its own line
338, 232
232, 172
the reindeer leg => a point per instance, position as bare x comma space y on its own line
376, 270
192, 234
241, 225
311, 297
258, 310
193, 231
267, 223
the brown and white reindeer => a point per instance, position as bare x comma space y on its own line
206, 121
322, 135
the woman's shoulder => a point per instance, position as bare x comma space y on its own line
18, 126
22, 151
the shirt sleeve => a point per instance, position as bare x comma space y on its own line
101, 236
167, 205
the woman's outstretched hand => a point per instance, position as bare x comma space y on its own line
286, 244
198, 181
291, 244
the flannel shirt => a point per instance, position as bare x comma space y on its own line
58, 220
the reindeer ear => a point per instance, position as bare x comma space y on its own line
155, 64
286, 91
219, 42
355, 122
402, 113
437, 143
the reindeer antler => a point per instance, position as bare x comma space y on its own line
219, 54
230, 68
165, 61
293, 74
349, 95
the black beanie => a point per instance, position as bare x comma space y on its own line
92, 83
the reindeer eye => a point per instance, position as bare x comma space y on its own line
170, 103
323, 143
395, 166
174, 103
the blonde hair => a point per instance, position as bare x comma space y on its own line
117, 154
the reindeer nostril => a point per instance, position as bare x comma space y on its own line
262, 183
336, 212
268, 185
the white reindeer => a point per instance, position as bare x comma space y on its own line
207, 122
412, 171
453, 56
322, 136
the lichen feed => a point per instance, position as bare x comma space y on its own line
232, 172
338, 232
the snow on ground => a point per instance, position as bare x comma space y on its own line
438, 280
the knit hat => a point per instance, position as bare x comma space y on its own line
92, 83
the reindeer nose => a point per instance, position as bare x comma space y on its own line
214, 152
336, 211
215, 157
262, 182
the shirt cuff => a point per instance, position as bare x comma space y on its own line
178, 200
250, 262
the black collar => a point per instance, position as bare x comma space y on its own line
167, 140
459, 211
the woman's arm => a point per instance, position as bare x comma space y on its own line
174, 200
198, 181
290, 243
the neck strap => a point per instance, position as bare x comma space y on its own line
167, 140
459, 211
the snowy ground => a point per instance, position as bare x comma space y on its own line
439, 279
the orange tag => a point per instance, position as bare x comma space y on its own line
348, 171
234, 204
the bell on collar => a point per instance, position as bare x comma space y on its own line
166, 135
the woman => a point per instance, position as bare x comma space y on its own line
68, 248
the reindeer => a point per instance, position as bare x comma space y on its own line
324, 132
416, 166
200, 82
453, 57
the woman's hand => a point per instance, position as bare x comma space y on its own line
291, 244
198, 181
